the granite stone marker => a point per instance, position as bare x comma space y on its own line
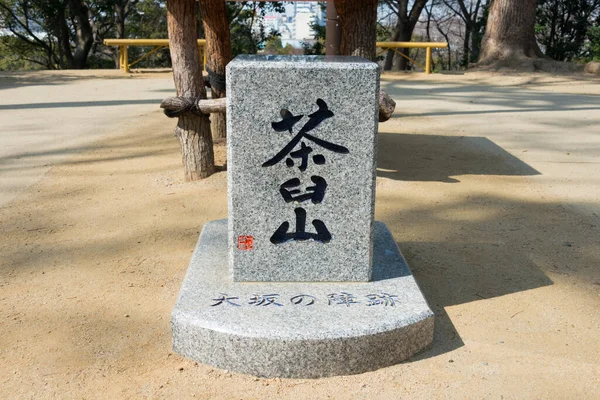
301, 163
300, 281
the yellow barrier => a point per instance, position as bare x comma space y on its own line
384, 46
123, 44
125, 65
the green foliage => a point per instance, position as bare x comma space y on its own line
566, 29
593, 35
318, 46
12, 51
248, 32
148, 20
274, 46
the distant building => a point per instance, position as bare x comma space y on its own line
294, 23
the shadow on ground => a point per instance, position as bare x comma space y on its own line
9, 80
410, 157
77, 104
521, 98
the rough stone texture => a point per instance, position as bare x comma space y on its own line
299, 341
387, 106
592, 68
258, 87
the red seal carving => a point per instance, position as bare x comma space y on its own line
245, 242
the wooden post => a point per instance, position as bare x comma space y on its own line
202, 60
359, 23
122, 52
428, 61
126, 59
193, 130
333, 31
217, 54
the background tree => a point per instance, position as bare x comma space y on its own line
407, 18
473, 13
509, 40
443, 21
359, 27
58, 32
320, 35
248, 32
216, 30
275, 46
566, 29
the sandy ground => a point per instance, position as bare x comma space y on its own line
46, 116
490, 185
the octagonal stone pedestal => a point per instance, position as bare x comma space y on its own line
306, 329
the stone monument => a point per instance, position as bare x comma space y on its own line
300, 281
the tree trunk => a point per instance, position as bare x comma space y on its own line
216, 30
389, 57
65, 44
120, 24
401, 63
509, 39
193, 130
84, 37
405, 25
359, 27
475, 45
466, 44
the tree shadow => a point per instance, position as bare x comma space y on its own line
518, 98
426, 158
15, 79
76, 104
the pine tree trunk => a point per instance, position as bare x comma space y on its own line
216, 30
389, 57
509, 39
84, 35
359, 27
466, 43
192, 130
120, 25
401, 63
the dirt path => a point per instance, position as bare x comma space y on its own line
504, 242
46, 116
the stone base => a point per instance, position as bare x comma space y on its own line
299, 330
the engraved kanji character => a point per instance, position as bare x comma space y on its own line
342, 298
314, 120
313, 193
303, 299
225, 299
281, 235
383, 298
264, 300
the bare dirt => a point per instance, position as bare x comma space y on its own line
489, 183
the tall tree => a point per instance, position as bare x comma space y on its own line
359, 27
193, 130
565, 28
406, 21
58, 33
216, 31
473, 14
248, 31
509, 39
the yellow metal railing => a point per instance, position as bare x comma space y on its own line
125, 65
123, 44
385, 46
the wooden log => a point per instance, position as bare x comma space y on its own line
387, 105
175, 106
